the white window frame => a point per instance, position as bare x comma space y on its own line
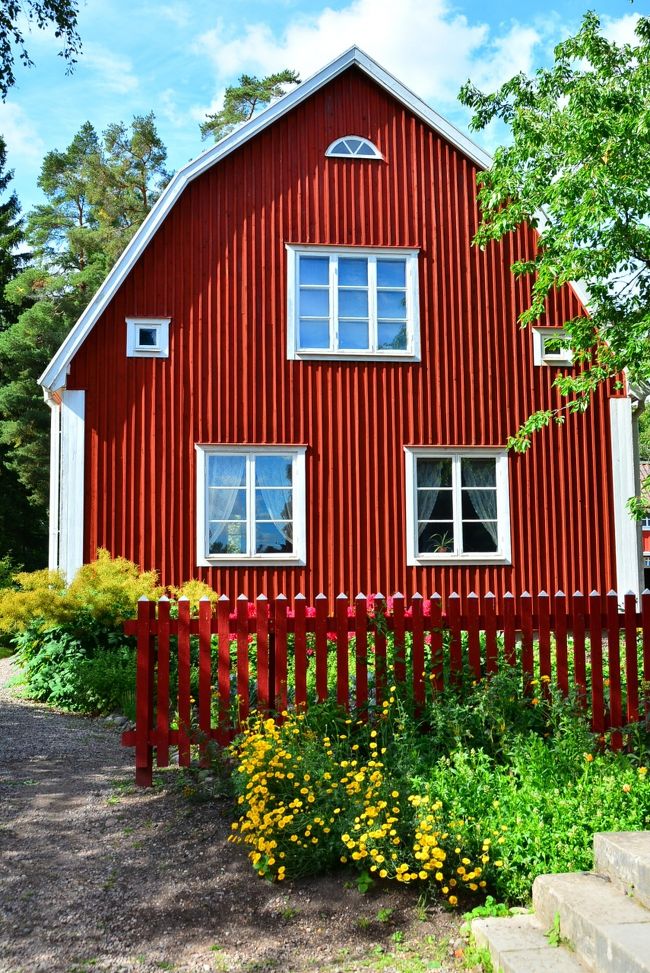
333, 353
135, 350
298, 558
376, 154
503, 553
562, 359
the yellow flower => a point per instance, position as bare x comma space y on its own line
627, 788
453, 900
588, 757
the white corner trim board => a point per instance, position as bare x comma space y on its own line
70, 508
626, 530
55, 454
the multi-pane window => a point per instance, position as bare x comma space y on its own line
458, 505
355, 147
251, 503
352, 303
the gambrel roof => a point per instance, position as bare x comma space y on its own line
54, 376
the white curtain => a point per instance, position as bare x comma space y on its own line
275, 501
227, 475
429, 474
481, 475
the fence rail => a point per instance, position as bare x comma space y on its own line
198, 678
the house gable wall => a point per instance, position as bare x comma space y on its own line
217, 269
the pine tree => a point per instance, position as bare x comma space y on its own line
23, 532
242, 101
97, 191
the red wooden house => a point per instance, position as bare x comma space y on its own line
301, 376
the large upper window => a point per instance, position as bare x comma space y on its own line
457, 506
250, 504
352, 302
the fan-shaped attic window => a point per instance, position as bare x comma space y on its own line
353, 147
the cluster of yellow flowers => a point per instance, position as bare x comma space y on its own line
309, 801
280, 801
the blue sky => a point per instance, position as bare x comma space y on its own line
177, 56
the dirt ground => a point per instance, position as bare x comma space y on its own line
96, 875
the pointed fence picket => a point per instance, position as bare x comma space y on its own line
272, 656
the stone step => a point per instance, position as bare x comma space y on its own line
518, 944
609, 931
624, 856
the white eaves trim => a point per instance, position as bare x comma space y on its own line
54, 376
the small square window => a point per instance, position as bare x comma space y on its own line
147, 337
550, 347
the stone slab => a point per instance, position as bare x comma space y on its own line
518, 945
609, 931
624, 856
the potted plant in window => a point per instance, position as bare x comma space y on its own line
442, 543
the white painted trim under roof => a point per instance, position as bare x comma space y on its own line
54, 376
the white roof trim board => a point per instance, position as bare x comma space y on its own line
54, 376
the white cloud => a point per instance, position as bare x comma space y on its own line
621, 30
113, 72
179, 14
430, 47
23, 141
169, 109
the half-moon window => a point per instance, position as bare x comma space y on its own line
353, 146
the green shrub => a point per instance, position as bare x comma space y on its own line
93, 672
310, 799
480, 793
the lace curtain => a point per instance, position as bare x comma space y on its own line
429, 473
483, 501
276, 501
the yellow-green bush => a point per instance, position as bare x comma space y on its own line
38, 594
194, 590
105, 591
109, 588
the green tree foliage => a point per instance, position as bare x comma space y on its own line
22, 531
11, 236
241, 101
644, 436
97, 192
579, 156
58, 14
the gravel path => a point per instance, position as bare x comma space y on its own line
96, 875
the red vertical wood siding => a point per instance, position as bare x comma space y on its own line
217, 267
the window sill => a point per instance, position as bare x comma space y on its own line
430, 560
262, 561
376, 356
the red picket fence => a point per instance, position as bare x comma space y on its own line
267, 657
